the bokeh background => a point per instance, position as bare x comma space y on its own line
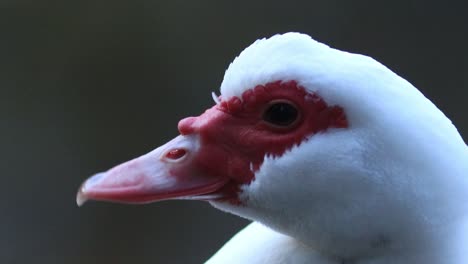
85, 85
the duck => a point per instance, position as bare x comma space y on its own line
333, 157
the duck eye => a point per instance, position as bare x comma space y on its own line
281, 114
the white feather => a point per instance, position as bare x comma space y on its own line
215, 98
391, 188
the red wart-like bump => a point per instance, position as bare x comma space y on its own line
235, 138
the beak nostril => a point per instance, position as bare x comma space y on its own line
176, 154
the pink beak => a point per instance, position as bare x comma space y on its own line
168, 172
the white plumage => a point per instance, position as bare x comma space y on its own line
392, 187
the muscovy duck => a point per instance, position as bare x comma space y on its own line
334, 157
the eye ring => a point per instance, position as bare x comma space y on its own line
281, 114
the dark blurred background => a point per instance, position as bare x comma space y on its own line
85, 85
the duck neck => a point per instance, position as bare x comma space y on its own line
441, 245
435, 242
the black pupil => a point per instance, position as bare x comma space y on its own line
280, 114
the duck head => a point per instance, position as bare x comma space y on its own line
328, 147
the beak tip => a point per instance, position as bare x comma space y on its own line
80, 198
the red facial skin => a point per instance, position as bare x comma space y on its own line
234, 138
229, 143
